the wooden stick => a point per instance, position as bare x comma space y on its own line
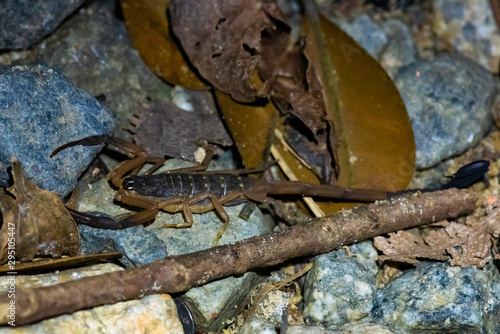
180, 273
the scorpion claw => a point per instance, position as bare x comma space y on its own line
87, 141
97, 219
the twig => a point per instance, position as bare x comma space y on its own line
180, 273
313, 206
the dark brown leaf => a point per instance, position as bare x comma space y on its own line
284, 58
164, 129
37, 219
222, 40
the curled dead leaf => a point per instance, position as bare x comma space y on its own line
222, 40
36, 219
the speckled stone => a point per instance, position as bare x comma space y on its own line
140, 245
400, 49
448, 100
257, 325
437, 298
25, 22
94, 51
40, 111
467, 27
340, 289
367, 32
364, 326
270, 309
151, 314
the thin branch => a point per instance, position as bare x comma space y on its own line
180, 273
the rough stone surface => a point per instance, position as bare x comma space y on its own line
94, 51
448, 101
400, 49
390, 42
437, 298
40, 111
151, 314
257, 325
340, 289
367, 32
25, 22
270, 309
140, 245
364, 326
467, 27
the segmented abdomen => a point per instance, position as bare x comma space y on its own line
188, 185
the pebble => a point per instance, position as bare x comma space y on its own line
448, 100
340, 288
469, 28
442, 299
25, 23
42, 110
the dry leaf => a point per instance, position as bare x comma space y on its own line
162, 128
222, 40
250, 126
376, 148
403, 246
147, 25
37, 219
464, 244
284, 58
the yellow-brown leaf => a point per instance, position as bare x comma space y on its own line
147, 24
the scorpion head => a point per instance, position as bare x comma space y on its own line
128, 183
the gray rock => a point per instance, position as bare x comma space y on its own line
256, 326
364, 326
94, 51
25, 22
389, 42
367, 32
448, 101
340, 289
400, 49
40, 111
151, 314
437, 298
140, 245
469, 28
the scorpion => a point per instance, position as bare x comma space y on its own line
193, 189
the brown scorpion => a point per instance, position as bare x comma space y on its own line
193, 190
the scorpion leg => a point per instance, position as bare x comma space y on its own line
177, 204
215, 204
